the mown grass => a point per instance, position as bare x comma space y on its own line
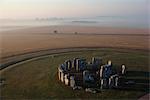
37, 79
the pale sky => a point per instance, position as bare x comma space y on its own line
72, 8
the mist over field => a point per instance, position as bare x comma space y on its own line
99, 21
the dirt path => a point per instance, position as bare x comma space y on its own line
145, 97
14, 59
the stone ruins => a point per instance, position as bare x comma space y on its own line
92, 76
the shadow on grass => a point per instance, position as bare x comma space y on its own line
138, 74
139, 81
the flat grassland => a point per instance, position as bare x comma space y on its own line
41, 38
37, 78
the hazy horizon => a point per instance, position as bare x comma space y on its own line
24, 9
116, 13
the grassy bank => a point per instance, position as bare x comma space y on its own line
37, 79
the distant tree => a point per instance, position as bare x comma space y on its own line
76, 33
55, 31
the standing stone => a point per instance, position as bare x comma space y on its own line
72, 82
93, 60
62, 76
113, 80
123, 69
69, 64
59, 74
109, 62
85, 75
81, 64
105, 82
66, 80
107, 71
110, 81
60, 71
102, 82
101, 72
75, 64
66, 64
63, 67
96, 61
116, 81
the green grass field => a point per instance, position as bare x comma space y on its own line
37, 79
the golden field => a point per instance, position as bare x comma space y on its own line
39, 38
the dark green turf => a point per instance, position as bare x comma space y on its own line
37, 79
